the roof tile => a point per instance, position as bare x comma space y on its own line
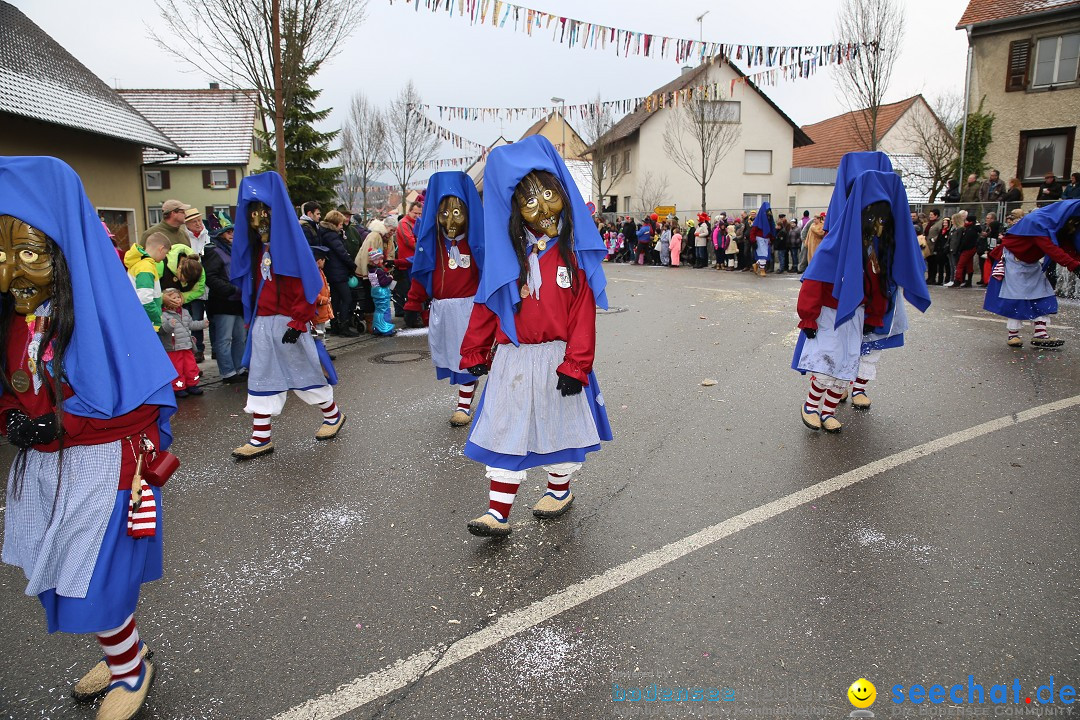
837, 136
41, 80
216, 127
981, 11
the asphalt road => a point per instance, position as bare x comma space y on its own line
716, 543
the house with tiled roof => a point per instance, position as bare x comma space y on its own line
754, 170
218, 129
51, 104
1025, 56
898, 127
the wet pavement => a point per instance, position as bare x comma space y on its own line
325, 564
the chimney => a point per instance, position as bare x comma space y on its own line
686, 68
215, 86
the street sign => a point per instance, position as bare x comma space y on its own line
664, 211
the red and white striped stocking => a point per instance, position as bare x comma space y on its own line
121, 648
829, 403
330, 412
260, 429
813, 400
465, 396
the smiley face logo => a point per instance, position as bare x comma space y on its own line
862, 693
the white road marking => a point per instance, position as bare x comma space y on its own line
625, 280
1003, 321
373, 686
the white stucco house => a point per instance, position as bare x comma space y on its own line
755, 169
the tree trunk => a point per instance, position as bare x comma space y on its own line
279, 101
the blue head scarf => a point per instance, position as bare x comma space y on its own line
289, 249
440, 185
1047, 221
114, 362
505, 168
851, 166
763, 222
839, 258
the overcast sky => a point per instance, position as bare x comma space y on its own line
453, 63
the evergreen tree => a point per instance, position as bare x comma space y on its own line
307, 151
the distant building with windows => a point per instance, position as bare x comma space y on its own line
218, 129
754, 170
1025, 64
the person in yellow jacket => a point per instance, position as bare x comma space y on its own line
142, 264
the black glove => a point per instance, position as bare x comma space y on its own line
24, 432
291, 336
568, 385
867, 329
478, 370
810, 333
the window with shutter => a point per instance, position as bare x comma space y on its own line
1019, 59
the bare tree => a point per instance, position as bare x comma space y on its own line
363, 149
698, 134
233, 41
652, 190
933, 131
409, 142
861, 81
606, 168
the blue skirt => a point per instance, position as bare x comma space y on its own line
1017, 309
123, 564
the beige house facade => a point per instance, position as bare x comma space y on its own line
754, 170
1025, 65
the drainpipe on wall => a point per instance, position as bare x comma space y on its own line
967, 105
142, 192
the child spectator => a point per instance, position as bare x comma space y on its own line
142, 264
380, 279
175, 334
183, 270
324, 313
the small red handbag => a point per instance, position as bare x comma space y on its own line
158, 465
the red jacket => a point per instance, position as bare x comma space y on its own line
1032, 249
560, 314
406, 242
78, 430
446, 283
815, 294
284, 295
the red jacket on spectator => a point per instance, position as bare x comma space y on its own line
406, 242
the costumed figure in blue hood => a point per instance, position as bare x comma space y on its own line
1018, 288
762, 233
543, 278
86, 396
446, 268
279, 282
849, 303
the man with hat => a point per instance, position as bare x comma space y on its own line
196, 229
173, 217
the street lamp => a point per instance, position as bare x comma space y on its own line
562, 114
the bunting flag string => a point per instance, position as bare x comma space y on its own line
624, 106
436, 164
578, 33
461, 143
